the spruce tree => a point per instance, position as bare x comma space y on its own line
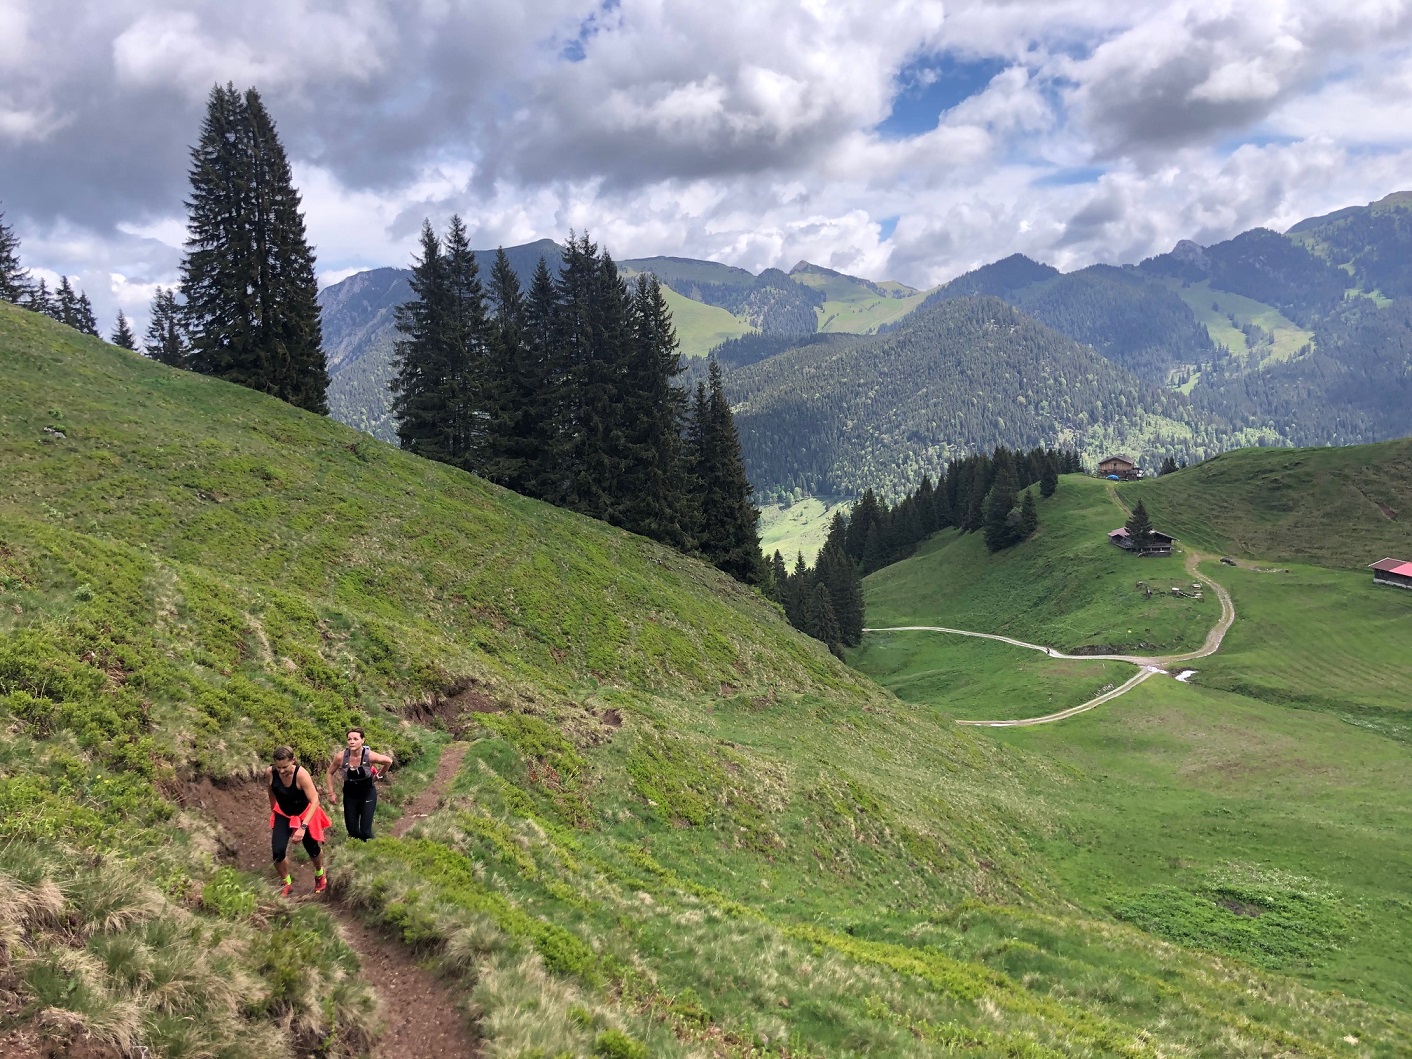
40, 300
471, 389
594, 338
820, 622
251, 297
728, 533
122, 333
422, 400
999, 533
1029, 516
14, 278
165, 339
511, 450
655, 407
1169, 466
1049, 477
83, 318
837, 572
1139, 528
65, 304
545, 367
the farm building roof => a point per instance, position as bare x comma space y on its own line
1393, 566
1122, 531
1119, 456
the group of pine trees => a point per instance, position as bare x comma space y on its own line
65, 304
566, 392
825, 602
249, 311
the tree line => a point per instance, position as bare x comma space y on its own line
567, 392
982, 491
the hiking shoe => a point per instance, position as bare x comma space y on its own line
287, 889
320, 883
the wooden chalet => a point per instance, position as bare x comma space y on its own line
1392, 572
1157, 544
1119, 466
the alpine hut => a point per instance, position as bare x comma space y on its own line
1392, 572
1157, 543
1119, 466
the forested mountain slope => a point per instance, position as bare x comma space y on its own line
679, 827
964, 375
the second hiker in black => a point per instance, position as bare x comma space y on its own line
358, 766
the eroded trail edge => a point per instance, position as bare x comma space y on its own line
420, 1015
1149, 665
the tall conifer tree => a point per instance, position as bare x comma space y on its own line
14, 278
547, 411
422, 401
248, 276
728, 533
122, 333
165, 339
654, 504
472, 390
511, 450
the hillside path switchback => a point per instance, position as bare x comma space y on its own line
419, 1013
1149, 665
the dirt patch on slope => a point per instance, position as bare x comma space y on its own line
419, 1011
450, 706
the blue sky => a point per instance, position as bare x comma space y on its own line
910, 140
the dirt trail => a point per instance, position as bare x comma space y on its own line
1151, 665
420, 1016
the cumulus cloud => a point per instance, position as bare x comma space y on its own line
746, 131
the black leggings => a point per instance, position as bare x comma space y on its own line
279, 840
359, 804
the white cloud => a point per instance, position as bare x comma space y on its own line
740, 131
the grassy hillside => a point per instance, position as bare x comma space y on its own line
1067, 587
1260, 810
1337, 507
1223, 313
797, 528
701, 328
679, 829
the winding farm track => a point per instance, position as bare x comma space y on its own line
1149, 666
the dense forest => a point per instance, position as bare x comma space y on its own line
1130, 320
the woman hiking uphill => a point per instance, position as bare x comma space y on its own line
295, 814
360, 797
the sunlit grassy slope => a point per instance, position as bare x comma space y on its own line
682, 829
798, 528
701, 328
1337, 507
1261, 810
1216, 308
1066, 587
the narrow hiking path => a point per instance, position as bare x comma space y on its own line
420, 1016
1149, 665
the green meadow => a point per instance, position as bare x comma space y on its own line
680, 828
1261, 810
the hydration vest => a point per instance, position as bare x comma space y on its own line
358, 776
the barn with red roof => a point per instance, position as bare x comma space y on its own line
1392, 572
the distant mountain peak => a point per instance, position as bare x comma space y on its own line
1192, 253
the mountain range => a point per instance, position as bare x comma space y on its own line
1302, 337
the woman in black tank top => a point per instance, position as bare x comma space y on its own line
358, 766
295, 814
